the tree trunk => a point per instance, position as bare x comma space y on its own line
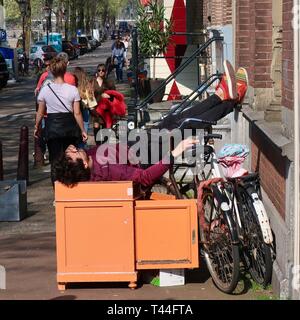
80, 12
67, 18
105, 14
73, 17
27, 29
87, 17
58, 15
50, 5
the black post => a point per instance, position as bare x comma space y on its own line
38, 153
47, 28
23, 36
1, 162
135, 62
22, 172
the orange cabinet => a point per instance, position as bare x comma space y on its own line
103, 233
166, 234
95, 233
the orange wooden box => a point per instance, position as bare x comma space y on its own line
104, 233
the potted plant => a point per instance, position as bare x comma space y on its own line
154, 37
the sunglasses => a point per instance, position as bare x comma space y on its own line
99, 70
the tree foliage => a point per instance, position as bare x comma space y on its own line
12, 10
70, 14
154, 29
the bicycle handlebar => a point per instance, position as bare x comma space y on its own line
213, 136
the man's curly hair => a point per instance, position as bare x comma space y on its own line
71, 172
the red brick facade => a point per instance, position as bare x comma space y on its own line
267, 160
254, 50
254, 40
254, 29
220, 12
288, 56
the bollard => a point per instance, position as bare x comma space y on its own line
22, 172
1, 162
38, 154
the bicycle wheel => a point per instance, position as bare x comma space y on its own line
256, 253
221, 254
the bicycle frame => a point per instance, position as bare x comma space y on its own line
250, 188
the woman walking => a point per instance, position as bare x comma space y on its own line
118, 57
64, 124
100, 84
86, 92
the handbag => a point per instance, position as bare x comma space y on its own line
61, 125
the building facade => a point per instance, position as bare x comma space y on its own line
263, 40
186, 16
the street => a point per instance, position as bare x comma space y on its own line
28, 247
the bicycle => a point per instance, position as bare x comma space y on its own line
233, 224
217, 229
244, 198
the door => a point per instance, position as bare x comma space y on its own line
95, 237
166, 234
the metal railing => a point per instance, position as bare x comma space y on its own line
189, 99
173, 75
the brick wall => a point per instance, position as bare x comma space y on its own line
254, 40
220, 12
267, 160
254, 29
288, 56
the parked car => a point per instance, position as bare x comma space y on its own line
40, 43
4, 74
85, 46
37, 54
76, 45
70, 49
93, 42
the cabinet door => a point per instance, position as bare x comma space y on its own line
95, 237
166, 234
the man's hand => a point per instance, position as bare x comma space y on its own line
183, 145
84, 136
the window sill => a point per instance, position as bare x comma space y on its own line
272, 130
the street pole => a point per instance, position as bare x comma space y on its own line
23, 36
23, 169
135, 62
47, 26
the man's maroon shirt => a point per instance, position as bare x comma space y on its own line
126, 172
